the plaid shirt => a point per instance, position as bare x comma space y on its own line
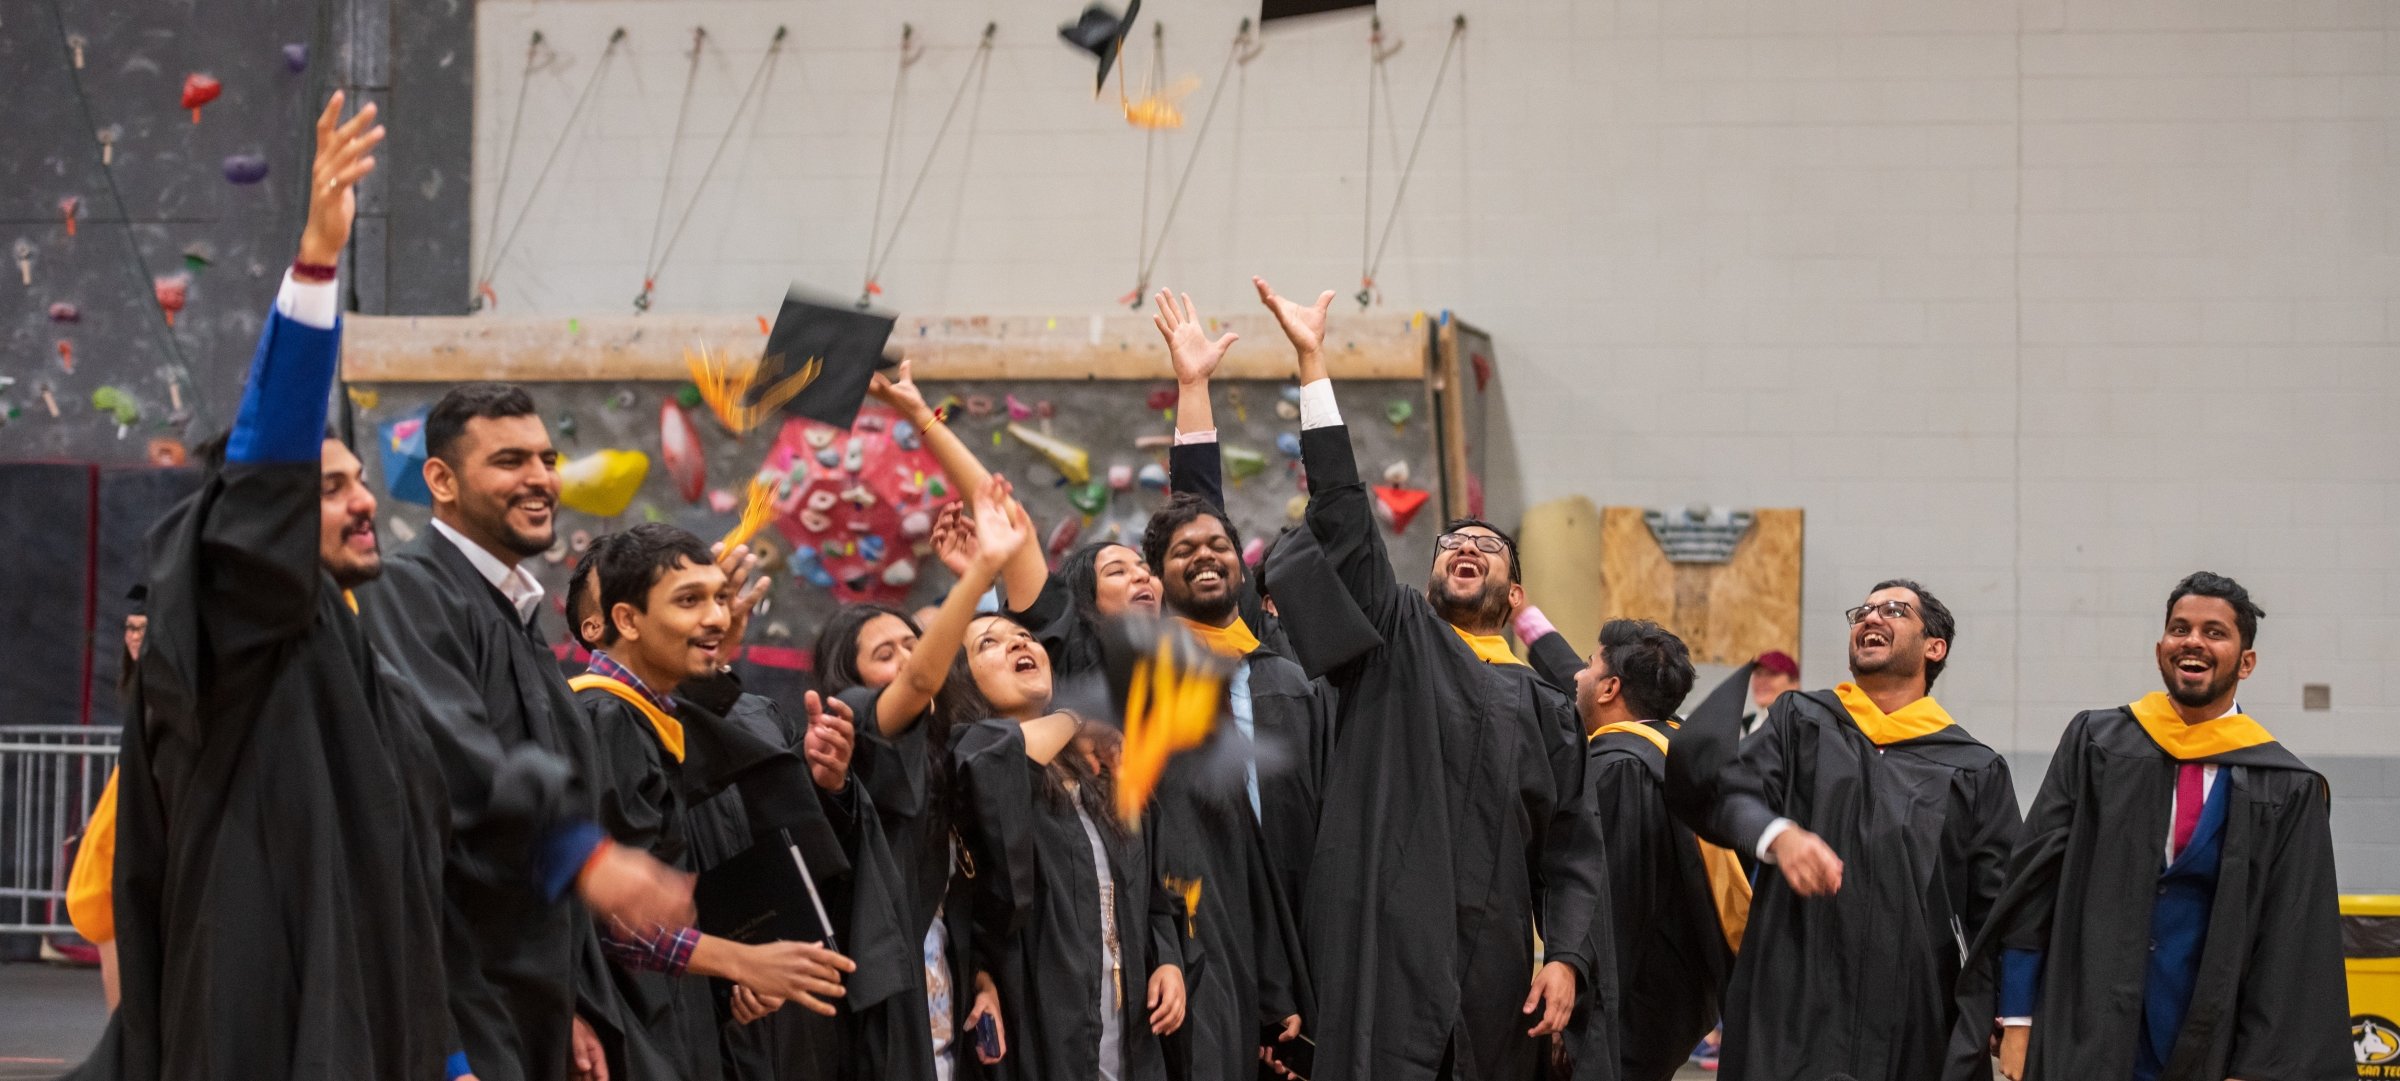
667, 950
604, 665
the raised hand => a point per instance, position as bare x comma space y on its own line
1195, 358
954, 539
899, 390
1000, 525
828, 742
1303, 324
743, 594
342, 159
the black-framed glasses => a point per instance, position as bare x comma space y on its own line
1886, 609
1485, 543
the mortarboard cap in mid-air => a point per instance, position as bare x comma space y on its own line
1273, 10
1100, 32
834, 346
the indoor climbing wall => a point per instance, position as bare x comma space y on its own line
156, 183
1089, 464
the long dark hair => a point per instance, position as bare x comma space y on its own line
834, 657
1079, 575
962, 703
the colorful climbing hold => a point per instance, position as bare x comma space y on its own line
199, 90
1120, 477
63, 312
245, 168
603, 482
1242, 463
172, 292
1288, 444
1071, 461
117, 403
1398, 410
1154, 477
1090, 498
295, 57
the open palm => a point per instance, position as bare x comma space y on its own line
1194, 356
1303, 324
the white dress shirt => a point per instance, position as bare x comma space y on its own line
513, 581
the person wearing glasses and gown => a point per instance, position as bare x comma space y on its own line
1882, 830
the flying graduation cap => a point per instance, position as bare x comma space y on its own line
1100, 32
836, 349
1164, 692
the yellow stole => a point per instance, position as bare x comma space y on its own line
1727, 885
350, 599
1922, 717
2191, 742
1492, 648
1235, 641
668, 729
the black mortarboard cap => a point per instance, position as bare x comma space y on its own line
1707, 742
1271, 10
845, 345
139, 595
1100, 32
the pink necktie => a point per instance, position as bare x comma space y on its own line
2187, 806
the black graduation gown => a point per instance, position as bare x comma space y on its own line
645, 804
279, 822
515, 752
1672, 958
913, 815
1452, 827
757, 750
1244, 947
1860, 983
2269, 1000
1038, 900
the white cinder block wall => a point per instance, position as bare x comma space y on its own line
2044, 302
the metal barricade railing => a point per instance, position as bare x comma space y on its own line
50, 776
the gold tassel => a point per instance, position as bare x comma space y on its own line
755, 515
728, 390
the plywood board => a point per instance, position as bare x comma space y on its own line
1561, 545
650, 348
1727, 613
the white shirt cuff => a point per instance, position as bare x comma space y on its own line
1767, 838
1317, 407
1205, 435
312, 304
2016, 1022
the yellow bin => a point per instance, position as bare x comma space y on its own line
2371, 953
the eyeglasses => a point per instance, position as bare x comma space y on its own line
1886, 609
1488, 545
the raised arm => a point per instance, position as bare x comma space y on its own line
259, 573
1000, 530
1341, 515
1193, 464
1022, 576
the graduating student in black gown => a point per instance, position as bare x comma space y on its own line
1088, 949
279, 821
1246, 838
456, 619
1882, 828
1454, 829
1674, 944
666, 611
876, 660
2170, 911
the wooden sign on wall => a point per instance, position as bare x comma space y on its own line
1726, 613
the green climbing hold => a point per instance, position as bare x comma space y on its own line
689, 396
117, 403
652, 514
935, 488
1399, 411
1242, 463
1090, 498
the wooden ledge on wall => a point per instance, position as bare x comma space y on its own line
650, 348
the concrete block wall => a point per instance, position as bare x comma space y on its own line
2043, 302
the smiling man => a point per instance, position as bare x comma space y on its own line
1852, 953
455, 618
2176, 848
278, 824
1454, 827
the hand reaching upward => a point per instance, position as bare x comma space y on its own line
341, 161
1304, 325
899, 390
1194, 356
